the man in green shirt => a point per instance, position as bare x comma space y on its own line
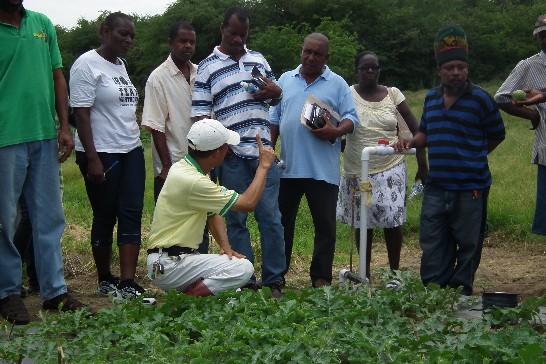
32, 90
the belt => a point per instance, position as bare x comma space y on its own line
173, 251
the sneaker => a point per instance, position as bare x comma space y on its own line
393, 284
14, 310
108, 286
65, 303
128, 290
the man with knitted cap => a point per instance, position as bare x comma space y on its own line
531, 74
460, 126
188, 200
450, 44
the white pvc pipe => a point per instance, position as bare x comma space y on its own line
364, 178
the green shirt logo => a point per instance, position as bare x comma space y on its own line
41, 35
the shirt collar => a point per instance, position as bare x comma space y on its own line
174, 70
194, 163
224, 56
326, 74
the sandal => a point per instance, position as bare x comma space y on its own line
64, 302
14, 310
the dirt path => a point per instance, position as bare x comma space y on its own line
520, 269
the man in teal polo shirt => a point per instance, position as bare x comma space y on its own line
32, 89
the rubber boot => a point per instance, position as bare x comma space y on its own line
198, 289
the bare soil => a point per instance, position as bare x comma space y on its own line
508, 268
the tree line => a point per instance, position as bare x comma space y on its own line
401, 32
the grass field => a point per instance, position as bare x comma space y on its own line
511, 204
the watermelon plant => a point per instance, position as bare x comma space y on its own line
413, 324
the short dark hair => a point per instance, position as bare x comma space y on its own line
363, 54
241, 14
181, 24
111, 19
200, 154
318, 37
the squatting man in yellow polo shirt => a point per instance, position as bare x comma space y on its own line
188, 200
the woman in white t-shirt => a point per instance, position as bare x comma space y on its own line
109, 153
377, 107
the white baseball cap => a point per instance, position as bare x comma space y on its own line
210, 134
540, 25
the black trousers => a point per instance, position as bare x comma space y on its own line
322, 199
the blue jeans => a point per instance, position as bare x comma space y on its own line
539, 222
237, 174
449, 236
23, 242
484, 230
33, 169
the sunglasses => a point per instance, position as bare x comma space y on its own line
365, 68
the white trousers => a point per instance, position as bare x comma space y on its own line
219, 273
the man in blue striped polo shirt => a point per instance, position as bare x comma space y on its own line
218, 91
460, 126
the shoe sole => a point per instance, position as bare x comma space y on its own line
146, 300
149, 301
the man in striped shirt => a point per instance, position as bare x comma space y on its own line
218, 91
530, 73
460, 126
